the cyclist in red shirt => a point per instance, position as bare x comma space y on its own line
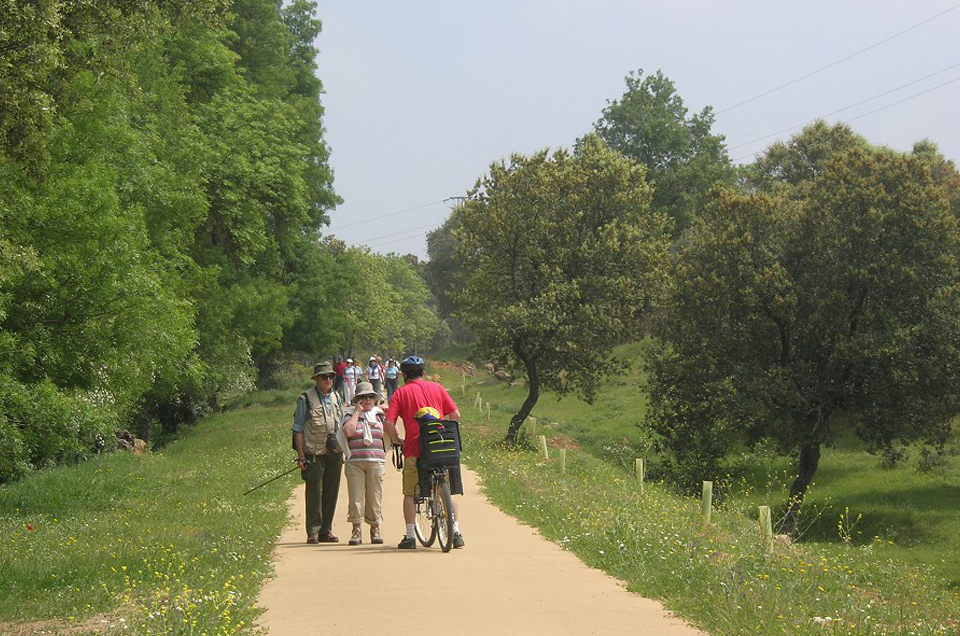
407, 400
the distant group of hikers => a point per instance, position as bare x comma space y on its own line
339, 423
349, 374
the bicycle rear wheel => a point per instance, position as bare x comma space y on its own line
423, 523
444, 519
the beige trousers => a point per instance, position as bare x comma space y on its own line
365, 489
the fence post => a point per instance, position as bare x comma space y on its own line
766, 528
463, 390
706, 503
543, 447
563, 460
533, 427
640, 475
478, 403
488, 411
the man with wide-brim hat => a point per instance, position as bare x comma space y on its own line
363, 436
315, 423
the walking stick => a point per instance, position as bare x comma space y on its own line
286, 472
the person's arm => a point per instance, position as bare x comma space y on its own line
391, 429
350, 421
298, 418
453, 415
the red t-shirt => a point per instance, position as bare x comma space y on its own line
409, 399
339, 367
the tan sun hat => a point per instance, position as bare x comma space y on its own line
323, 368
364, 389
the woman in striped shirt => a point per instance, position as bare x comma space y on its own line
363, 428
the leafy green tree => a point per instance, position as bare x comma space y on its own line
649, 124
416, 321
558, 252
835, 300
788, 165
162, 196
441, 273
943, 172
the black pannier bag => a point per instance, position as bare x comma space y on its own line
440, 446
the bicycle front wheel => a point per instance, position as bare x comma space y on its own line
423, 523
441, 493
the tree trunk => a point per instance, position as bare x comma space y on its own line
809, 460
532, 396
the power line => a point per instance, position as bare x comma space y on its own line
877, 110
392, 234
840, 110
841, 60
384, 216
402, 238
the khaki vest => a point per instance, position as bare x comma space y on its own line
320, 421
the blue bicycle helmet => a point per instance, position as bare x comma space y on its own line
412, 362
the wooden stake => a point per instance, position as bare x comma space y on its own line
706, 503
478, 403
766, 529
463, 390
563, 460
543, 447
640, 476
533, 427
488, 411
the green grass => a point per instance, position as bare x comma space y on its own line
916, 513
893, 575
163, 543
167, 543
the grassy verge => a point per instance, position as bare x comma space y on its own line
718, 576
163, 543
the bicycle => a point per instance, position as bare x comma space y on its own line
434, 519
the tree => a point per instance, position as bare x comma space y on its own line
558, 252
834, 300
649, 124
441, 273
788, 165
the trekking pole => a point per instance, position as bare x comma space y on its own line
286, 472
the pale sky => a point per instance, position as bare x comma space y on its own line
422, 96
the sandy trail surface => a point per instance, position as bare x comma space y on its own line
506, 580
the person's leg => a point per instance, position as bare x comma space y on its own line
355, 489
333, 463
312, 490
410, 477
373, 500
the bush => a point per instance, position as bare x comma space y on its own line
43, 426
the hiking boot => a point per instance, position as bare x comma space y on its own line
329, 538
313, 538
356, 538
457, 540
375, 535
407, 543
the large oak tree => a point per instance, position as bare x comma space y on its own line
834, 296
558, 252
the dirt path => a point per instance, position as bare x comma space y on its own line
506, 580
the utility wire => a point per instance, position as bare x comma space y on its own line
840, 110
402, 238
383, 216
841, 60
392, 234
877, 110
